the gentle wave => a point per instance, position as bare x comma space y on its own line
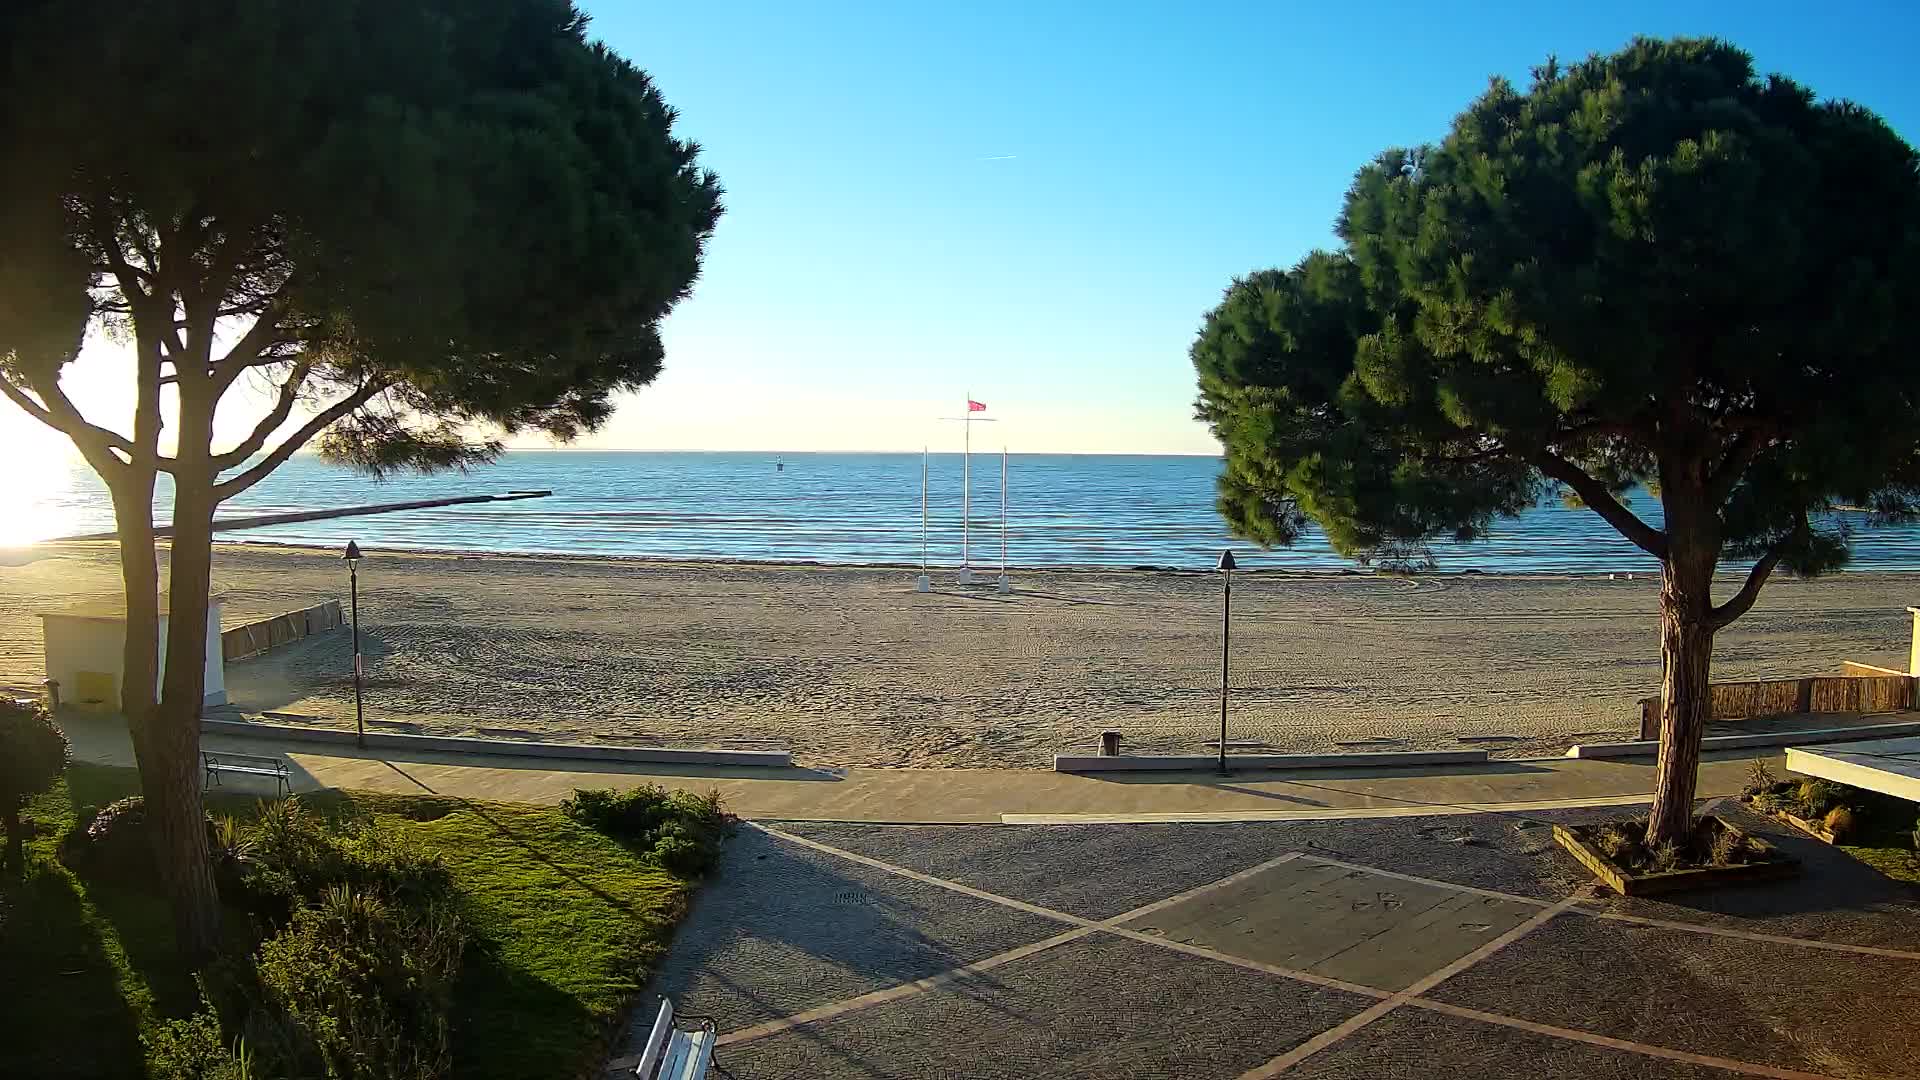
1063, 510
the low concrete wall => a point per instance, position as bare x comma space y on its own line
1076, 763
1651, 747
257, 637
501, 747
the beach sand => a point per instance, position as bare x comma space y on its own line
848, 666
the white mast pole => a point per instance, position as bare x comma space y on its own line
923, 583
1005, 586
966, 489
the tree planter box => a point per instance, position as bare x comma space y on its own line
1811, 828
1628, 883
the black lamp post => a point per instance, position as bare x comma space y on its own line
1226, 568
353, 578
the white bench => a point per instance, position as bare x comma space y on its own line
673, 1054
247, 765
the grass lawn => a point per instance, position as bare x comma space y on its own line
1886, 840
565, 925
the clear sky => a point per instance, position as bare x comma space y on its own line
1035, 202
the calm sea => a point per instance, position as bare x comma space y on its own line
1062, 510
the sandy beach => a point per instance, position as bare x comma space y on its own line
847, 666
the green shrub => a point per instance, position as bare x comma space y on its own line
33, 756
1664, 858
292, 856
1760, 778
115, 842
1726, 848
1614, 842
369, 984
680, 831
193, 1049
1817, 797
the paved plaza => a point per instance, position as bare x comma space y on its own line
1463, 945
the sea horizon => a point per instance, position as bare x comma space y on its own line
860, 508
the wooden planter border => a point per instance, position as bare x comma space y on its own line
1629, 884
1811, 828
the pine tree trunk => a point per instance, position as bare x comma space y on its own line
1686, 693
174, 807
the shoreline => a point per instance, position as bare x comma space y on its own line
1726, 571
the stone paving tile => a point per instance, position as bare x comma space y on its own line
1352, 925
1836, 898
1094, 871
1098, 1007
780, 928
1774, 1004
1098, 871
1413, 1044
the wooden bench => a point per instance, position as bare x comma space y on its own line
673, 1054
247, 765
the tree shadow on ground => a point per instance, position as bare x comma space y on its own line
65, 1012
509, 1022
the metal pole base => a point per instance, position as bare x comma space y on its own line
1005, 586
923, 583
966, 575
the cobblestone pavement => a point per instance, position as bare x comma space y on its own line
1386, 949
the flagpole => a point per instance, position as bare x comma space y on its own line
966, 490
923, 583
1005, 586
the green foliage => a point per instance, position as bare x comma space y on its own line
467, 199
33, 752
294, 857
368, 984
680, 830
1760, 777
1637, 270
194, 1049
564, 925
1816, 797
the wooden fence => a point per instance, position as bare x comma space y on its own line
1863, 689
257, 637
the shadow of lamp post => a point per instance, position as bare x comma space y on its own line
352, 557
1226, 568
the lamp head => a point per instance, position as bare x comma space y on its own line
1227, 565
353, 553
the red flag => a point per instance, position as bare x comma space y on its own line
974, 406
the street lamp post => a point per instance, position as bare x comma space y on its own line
353, 578
1226, 569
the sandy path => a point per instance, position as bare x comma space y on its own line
849, 667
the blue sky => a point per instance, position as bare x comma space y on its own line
1035, 203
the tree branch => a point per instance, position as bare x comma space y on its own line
229, 488
265, 331
1746, 446
1742, 602
1601, 501
282, 408
59, 413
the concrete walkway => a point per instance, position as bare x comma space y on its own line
1014, 796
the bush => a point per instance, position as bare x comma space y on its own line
193, 1049
680, 831
1840, 821
291, 857
1817, 797
368, 984
33, 757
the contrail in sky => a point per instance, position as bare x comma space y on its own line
998, 157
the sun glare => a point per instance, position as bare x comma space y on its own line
41, 492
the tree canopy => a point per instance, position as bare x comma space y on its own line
1647, 262
1650, 268
420, 221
